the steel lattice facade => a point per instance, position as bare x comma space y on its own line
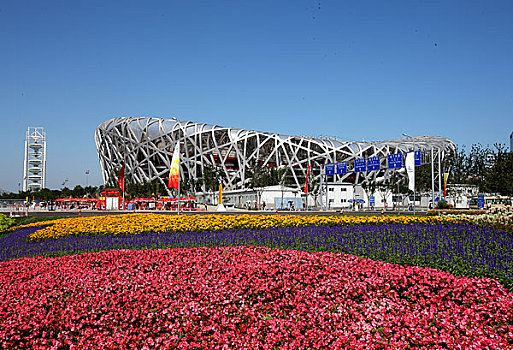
146, 145
34, 165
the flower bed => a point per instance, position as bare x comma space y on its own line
437, 212
244, 297
140, 223
499, 220
462, 249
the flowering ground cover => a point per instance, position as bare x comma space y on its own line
462, 249
245, 298
140, 223
499, 219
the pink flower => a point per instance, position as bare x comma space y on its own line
244, 297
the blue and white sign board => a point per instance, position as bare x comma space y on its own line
395, 161
372, 201
418, 161
480, 201
330, 169
342, 168
360, 165
373, 163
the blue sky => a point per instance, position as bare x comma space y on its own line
352, 69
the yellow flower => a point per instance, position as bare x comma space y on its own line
140, 223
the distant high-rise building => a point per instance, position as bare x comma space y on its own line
511, 142
34, 166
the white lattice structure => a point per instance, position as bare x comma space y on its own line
34, 165
147, 146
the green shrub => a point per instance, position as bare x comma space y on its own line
444, 205
25, 220
5, 222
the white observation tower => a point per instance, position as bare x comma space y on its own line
34, 166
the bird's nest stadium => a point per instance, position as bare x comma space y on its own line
146, 146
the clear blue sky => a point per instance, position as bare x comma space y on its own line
351, 69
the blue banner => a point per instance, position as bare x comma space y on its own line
342, 168
418, 161
480, 201
330, 169
360, 165
395, 161
373, 163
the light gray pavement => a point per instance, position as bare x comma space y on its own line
87, 212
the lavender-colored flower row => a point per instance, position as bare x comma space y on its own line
462, 249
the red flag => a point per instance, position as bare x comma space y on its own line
121, 178
306, 180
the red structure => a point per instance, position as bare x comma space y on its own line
186, 204
111, 199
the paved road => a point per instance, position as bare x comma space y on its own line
43, 213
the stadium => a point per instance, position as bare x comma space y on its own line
146, 144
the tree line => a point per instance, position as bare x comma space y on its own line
46, 194
488, 168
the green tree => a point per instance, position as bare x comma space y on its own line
263, 176
499, 177
476, 165
78, 192
423, 178
456, 162
258, 179
91, 191
211, 178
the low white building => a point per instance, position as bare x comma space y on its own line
340, 196
262, 198
459, 195
349, 196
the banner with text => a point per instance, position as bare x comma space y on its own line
410, 169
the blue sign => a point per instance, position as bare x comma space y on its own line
373, 163
395, 161
372, 201
360, 165
480, 201
330, 169
418, 162
342, 168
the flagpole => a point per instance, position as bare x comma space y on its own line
178, 190
175, 169
414, 199
124, 160
123, 208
